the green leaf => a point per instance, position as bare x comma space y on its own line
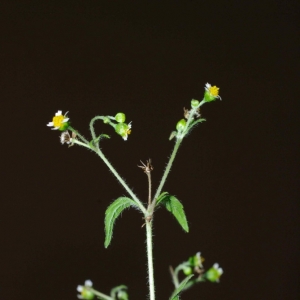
176, 293
195, 122
96, 140
111, 214
174, 206
161, 197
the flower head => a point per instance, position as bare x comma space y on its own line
211, 93
59, 121
214, 273
85, 292
123, 130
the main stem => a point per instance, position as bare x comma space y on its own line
150, 260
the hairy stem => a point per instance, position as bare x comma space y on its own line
150, 260
78, 134
100, 295
121, 180
179, 139
149, 188
168, 168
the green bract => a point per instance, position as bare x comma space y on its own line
208, 97
120, 117
64, 126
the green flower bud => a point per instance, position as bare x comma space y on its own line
120, 117
181, 125
214, 273
194, 103
122, 295
123, 130
196, 260
187, 271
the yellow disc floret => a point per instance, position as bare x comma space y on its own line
58, 120
214, 91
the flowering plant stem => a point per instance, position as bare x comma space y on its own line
168, 168
100, 295
172, 204
150, 260
121, 180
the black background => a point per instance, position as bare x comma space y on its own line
236, 174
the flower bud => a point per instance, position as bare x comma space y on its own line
120, 117
181, 125
194, 103
123, 130
122, 295
214, 273
187, 271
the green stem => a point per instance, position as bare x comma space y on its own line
150, 260
168, 168
121, 180
112, 169
179, 139
100, 295
81, 144
78, 134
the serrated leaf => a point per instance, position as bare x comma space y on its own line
111, 214
174, 206
176, 293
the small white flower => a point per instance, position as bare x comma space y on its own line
88, 283
128, 131
218, 269
82, 289
212, 91
58, 120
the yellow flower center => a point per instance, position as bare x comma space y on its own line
214, 91
128, 131
58, 120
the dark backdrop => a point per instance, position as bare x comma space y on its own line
235, 174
